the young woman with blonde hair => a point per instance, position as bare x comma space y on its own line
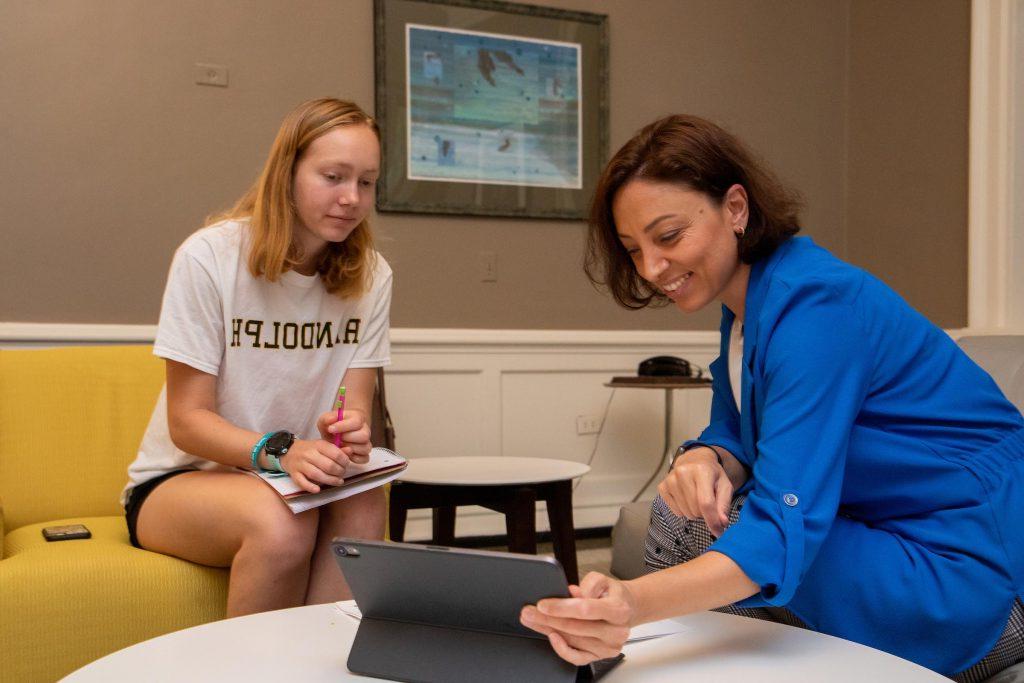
266, 310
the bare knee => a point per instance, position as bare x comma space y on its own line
360, 516
370, 504
279, 537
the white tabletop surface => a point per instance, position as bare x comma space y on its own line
312, 643
490, 471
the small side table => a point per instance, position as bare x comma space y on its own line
511, 486
668, 383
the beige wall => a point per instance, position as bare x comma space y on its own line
907, 132
111, 155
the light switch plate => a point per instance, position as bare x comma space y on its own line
210, 74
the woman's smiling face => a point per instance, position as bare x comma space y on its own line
683, 243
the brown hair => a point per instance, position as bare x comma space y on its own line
346, 268
701, 156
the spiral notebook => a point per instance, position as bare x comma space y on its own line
383, 466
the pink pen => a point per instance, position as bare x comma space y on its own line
339, 403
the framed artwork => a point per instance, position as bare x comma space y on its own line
490, 108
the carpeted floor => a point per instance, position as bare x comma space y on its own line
592, 554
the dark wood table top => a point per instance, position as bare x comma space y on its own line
659, 382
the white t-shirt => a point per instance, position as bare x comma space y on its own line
278, 349
736, 361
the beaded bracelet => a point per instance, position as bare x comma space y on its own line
256, 452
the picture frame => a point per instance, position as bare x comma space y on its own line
490, 108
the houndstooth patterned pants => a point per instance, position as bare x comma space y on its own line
673, 540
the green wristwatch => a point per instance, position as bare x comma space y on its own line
276, 448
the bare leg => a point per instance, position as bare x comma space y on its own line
360, 516
226, 519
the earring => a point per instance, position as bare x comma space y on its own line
740, 231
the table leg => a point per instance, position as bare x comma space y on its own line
521, 522
563, 533
443, 519
666, 450
397, 512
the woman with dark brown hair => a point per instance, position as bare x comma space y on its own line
860, 475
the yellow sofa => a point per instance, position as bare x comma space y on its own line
70, 423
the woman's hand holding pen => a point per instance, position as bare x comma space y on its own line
354, 431
312, 464
592, 624
698, 487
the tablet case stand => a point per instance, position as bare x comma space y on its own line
433, 614
438, 653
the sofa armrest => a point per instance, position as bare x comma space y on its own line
628, 538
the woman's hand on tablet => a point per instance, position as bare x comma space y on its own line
592, 624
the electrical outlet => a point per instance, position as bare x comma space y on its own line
210, 74
488, 266
588, 424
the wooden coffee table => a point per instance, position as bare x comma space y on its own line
511, 486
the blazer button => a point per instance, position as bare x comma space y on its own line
790, 499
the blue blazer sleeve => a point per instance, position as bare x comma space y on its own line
724, 429
810, 375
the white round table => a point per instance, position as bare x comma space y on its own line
511, 486
311, 644
491, 471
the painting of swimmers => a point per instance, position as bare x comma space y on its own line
490, 108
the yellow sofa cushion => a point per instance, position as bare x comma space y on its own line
101, 595
71, 420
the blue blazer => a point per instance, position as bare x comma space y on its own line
886, 468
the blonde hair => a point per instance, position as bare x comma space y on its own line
346, 268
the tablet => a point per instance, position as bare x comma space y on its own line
432, 613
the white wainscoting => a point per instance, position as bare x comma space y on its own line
518, 393
509, 393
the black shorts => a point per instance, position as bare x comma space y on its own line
137, 496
